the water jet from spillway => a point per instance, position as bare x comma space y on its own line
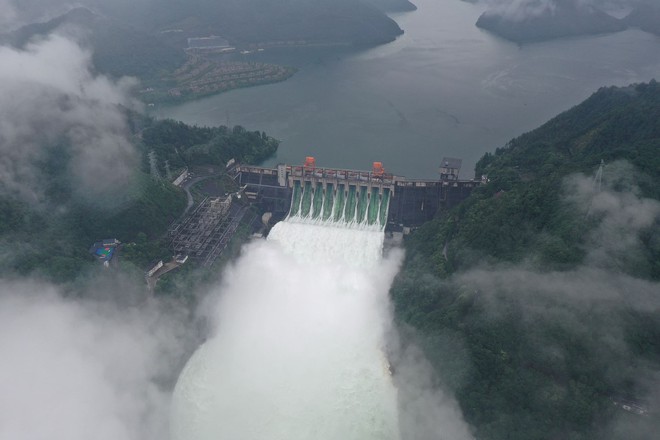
298, 348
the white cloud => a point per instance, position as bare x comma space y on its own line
50, 96
81, 369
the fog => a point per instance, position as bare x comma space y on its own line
613, 274
55, 109
77, 368
518, 10
593, 301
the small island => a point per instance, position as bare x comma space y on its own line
392, 5
645, 16
555, 20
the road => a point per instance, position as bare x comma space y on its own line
189, 183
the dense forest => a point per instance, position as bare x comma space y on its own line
536, 300
392, 5
118, 49
184, 145
259, 21
241, 22
645, 16
51, 239
566, 18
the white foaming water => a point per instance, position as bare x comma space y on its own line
298, 350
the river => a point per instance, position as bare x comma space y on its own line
444, 88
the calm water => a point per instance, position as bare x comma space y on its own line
445, 88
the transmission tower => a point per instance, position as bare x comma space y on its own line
168, 171
597, 185
598, 179
153, 165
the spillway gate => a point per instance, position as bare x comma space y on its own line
352, 196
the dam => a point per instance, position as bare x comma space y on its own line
370, 197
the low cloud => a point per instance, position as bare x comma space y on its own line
617, 219
620, 215
519, 10
427, 409
8, 13
17, 13
54, 105
596, 302
75, 369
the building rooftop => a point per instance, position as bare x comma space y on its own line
104, 250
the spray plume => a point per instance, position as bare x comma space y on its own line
300, 348
76, 369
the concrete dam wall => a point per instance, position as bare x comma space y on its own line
357, 194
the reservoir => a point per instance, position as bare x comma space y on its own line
444, 88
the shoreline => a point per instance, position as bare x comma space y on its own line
201, 77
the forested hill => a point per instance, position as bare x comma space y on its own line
503, 220
537, 299
645, 16
51, 239
146, 39
260, 21
556, 20
392, 5
117, 49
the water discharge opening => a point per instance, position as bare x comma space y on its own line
352, 206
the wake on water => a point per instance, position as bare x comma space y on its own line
298, 349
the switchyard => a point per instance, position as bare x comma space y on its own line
205, 233
411, 202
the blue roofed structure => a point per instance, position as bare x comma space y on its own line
105, 250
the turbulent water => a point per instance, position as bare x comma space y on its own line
299, 347
354, 206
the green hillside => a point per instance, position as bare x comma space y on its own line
645, 16
563, 19
51, 240
392, 5
260, 21
118, 49
537, 298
